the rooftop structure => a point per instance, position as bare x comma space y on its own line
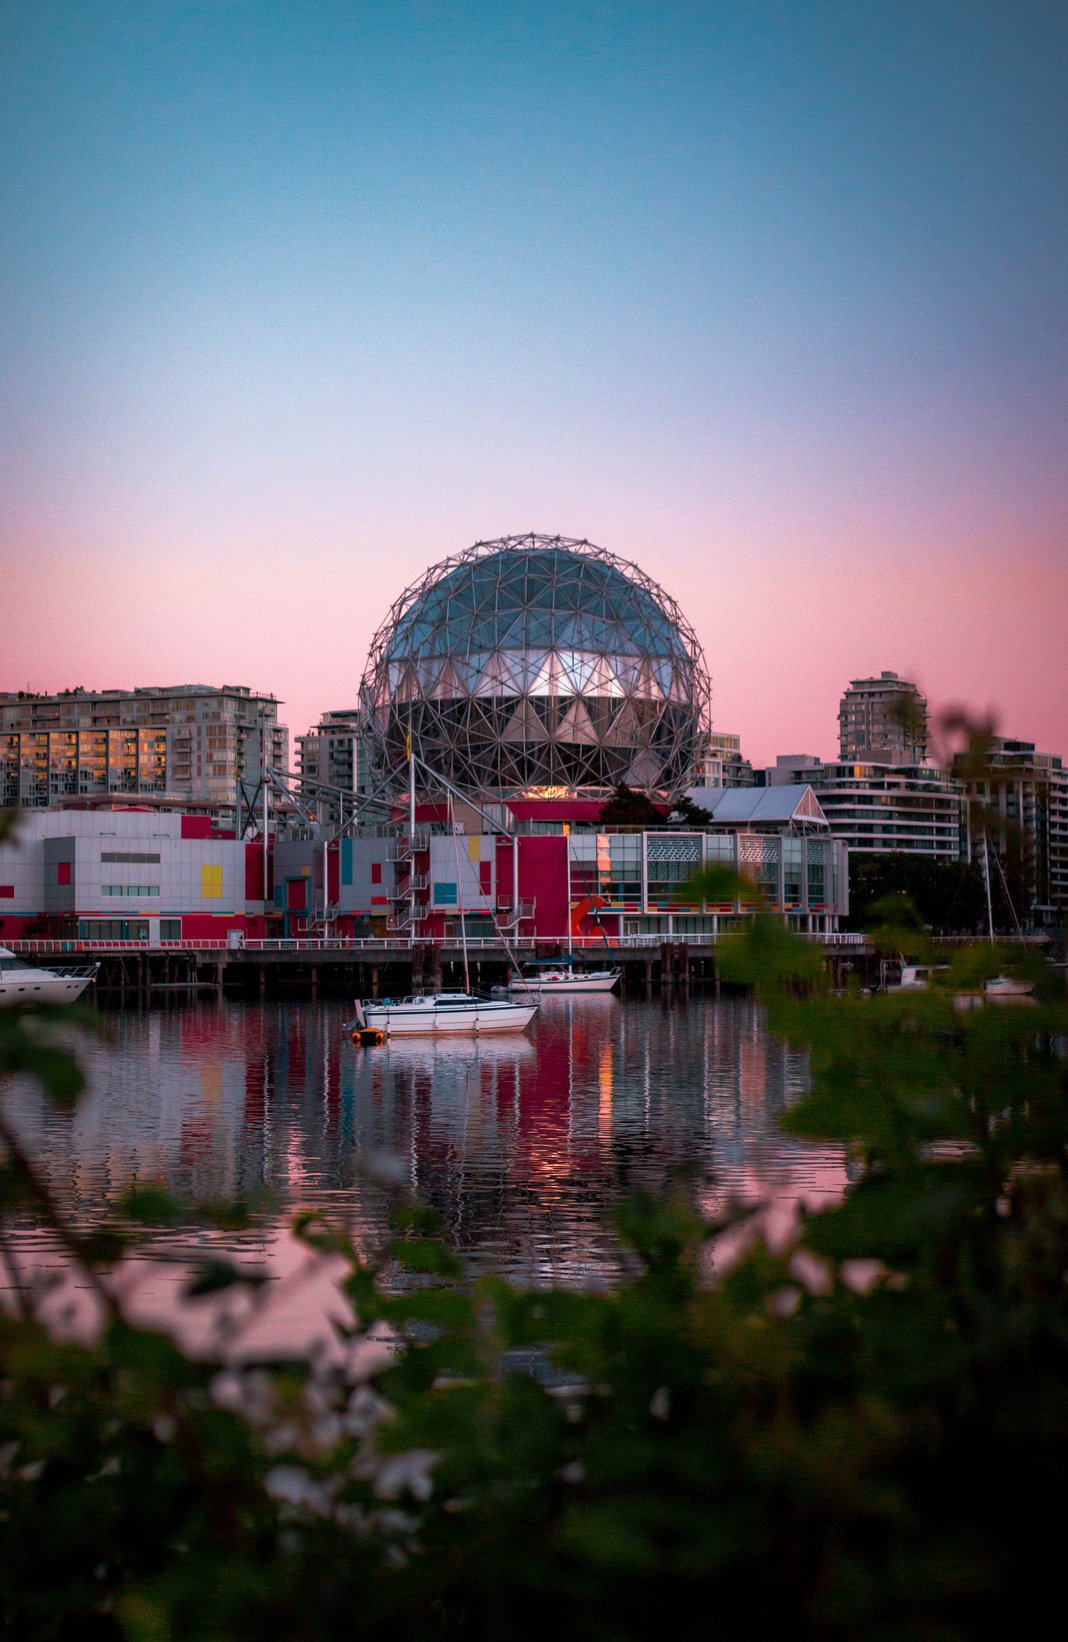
883, 721
537, 664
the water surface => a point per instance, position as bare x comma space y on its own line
522, 1143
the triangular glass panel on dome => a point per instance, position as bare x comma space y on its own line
524, 725
449, 686
407, 686
645, 770
648, 685
510, 630
495, 677
539, 627
628, 671
575, 726
664, 674
578, 666
426, 672
682, 685
527, 667
603, 680
551, 678
626, 729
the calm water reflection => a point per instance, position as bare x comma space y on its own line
520, 1143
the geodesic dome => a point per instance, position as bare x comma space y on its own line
537, 662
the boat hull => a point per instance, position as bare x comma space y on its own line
596, 981
410, 1021
41, 986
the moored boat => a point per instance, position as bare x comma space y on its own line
560, 977
442, 1012
20, 982
1007, 986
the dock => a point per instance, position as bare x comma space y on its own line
380, 967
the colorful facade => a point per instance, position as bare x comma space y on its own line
128, 875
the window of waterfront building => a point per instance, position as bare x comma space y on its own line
129, 889
130, 857
170, 929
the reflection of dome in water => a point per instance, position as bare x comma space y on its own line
535, 661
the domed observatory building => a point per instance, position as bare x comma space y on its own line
539, 665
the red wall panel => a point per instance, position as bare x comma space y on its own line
543, 879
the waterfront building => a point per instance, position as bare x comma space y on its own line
1020, 809
190, 742
117, 874
539, 665
915, 809
128, 875
559, 867
882, 721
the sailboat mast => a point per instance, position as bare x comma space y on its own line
567, 845
411, 835
986, 882
459, 891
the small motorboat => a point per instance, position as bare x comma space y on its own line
441, 1012
917, 977
1007, 986
20, 982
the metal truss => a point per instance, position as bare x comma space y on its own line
537, 663
290, 794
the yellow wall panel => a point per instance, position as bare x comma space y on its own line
211, 883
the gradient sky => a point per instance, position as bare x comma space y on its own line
770, 298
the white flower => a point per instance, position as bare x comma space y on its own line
409, 1471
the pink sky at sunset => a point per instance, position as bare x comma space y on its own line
782, 640
780, 317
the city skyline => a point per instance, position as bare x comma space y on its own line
769, 301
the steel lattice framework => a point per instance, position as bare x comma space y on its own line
537, 662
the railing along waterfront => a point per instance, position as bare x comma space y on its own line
371, 943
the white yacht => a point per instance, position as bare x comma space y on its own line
21, 983
440, 1012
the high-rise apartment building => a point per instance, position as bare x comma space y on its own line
1021, 805
333, 755
188, 742
722, 764
883, 721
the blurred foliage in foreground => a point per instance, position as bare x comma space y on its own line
862, 1434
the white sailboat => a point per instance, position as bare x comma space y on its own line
442, 1012
436, 1013
554, 975
1000, 986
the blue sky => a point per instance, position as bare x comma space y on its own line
770, 298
